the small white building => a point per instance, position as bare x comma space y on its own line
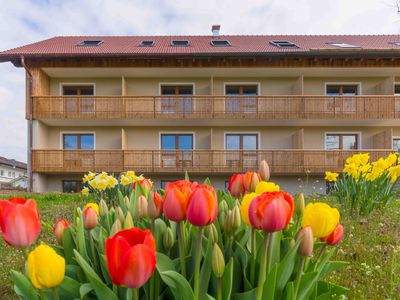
13, 173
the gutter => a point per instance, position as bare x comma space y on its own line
30, 123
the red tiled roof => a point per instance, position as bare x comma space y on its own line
199, 45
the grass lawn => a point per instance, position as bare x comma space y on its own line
371, 246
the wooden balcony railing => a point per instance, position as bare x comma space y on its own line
216, 107
291, 162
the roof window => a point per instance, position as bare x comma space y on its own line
395, 43
344, 45
90, 43
147, 44
180, 43
283, 44
220, 43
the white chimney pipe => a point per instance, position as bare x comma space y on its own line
215, 30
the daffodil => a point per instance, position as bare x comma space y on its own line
265, 186
321, 218
85, 191
331, 177
125, 180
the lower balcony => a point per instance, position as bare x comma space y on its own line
213, 162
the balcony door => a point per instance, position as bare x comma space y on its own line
243, 148
177, 149
346, 102
76, 102
78, 159
339, 141
241, 98
176, 98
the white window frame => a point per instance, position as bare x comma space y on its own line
395, 138
77, 132
244, 132
160, 133
359, 86
359, 140
257, 83
62, 84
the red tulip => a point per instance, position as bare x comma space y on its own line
90, 218
131, 257
19, 221
203, 206
335, 237
176, 199
271, 211
236, 185
144, 183
250, 181
155, 206
59, 228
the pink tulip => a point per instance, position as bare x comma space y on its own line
203, 206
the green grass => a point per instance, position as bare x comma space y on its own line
52, 207
371, 245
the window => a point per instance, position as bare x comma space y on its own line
73, 141
397, 89
396, 144
9, 173
170, 143
147, 44
164, 183
71, 186
242, 98
283, 44
77, 102
347, 91
238, 142
341, 141
90, 43
395, 43
180, 43
176, 98
13, 174
343, 45
220, 43
342, 89
1, 172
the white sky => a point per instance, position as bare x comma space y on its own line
24, 21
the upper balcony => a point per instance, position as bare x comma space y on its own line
290, 107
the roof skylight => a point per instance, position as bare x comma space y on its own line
283, 44
220, 43
90, 43
147, 44
180, 43
344, 45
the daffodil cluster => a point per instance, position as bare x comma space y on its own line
130, 177
98, 181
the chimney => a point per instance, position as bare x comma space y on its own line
215, 30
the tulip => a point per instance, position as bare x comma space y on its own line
264, 170
203, 206
19, 221
307, 242
46, 269
211, 233
217, 261
131, 257
115, 228
322, 218
128, 222
335, 237
141, 206
176, 199
59, 228
244, 207
103, 209
95, 206
155, 206
168, 239
119, 214
90, 218
144, 183
299, 204
250, 181
127, 202
271, 211
264, 186
236, 185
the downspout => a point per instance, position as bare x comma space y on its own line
30, 122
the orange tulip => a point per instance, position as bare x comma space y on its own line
155, 206
176, 199
335, 237
271, 211
236, 185
250, 181
131, 257
90, 218
59, 228
19, 221
203, 206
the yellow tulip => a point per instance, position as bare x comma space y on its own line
331, 177
244, 207
95, 206
321, 218
46, 268
265, 186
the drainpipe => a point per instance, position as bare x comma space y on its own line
30, 122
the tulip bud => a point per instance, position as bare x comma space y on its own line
115, 228
299, 204
103, 209
292, 243
223, 206
236, 185
218, 261
90, 218
307, 242
58, 230
251, 180
222, 219
236, 218
264, 170
211, 233
168, 239
128, 222
141, 206
335, 237
112, 211
127, 202
154, 205
79, 211
120, 214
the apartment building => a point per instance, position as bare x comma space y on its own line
12, 173
209, 105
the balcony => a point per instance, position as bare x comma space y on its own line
217, 107
206, 162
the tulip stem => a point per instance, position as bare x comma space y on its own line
181, 243
135, 294
219, 288
269, 251
93, 250
263, 271
41, 294
197, 263
253, 255
298, 276
55, 294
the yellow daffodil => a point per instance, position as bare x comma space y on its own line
85, 191
391, 159
46, 269
244, 207
321, 218
103, 175
95, 206
101, 185
331, 177
125, 180
111, 182
265, 186
131, 174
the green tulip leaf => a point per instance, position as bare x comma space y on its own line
72, 270
285, 268
68, 246
85, 289
102, 291
23, 287
332, 266
80, 240
249, 295
270, 284
164, 263
289, 291
205, 272
69, 288
178, 285
227, 280
307, 282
